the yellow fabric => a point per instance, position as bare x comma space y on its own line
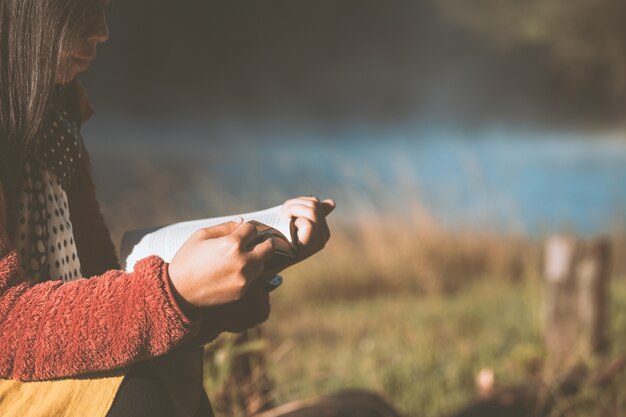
60, 398
92, 395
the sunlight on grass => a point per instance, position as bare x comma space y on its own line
423, 353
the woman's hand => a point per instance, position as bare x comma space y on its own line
312, 230
216, 264
310, 221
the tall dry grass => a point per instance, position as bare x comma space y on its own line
386, 255
383, 240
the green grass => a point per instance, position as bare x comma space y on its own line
422, 353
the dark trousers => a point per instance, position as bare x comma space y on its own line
141, 394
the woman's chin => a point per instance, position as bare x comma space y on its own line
66, 77
71, 69
80, 65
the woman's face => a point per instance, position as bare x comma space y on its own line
83, 49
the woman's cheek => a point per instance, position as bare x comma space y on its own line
66, 71
62, 74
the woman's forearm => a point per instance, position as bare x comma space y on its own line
54, 329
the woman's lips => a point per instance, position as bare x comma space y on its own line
82, 63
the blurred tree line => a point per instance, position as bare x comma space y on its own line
587, 38
344, 62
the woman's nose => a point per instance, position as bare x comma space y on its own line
100, 31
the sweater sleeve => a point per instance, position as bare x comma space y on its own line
248, 312
55, 329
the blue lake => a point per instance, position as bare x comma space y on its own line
521, 182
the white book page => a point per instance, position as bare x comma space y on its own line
166, 241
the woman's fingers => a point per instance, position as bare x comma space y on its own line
301, 210
321, 207
220, 230
256, 257
312, 202
291, 205
264, 250
309, 232
311, 199
328, 206
305, 230
244, 235
310, 219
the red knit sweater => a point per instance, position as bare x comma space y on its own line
55, 329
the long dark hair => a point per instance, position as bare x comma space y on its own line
33, 35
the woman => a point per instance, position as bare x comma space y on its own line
99, 346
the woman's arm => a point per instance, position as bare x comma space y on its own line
55, 329
248, 312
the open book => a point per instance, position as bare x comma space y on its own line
165, 241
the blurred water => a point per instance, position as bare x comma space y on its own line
525, 182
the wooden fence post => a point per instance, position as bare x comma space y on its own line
577, 277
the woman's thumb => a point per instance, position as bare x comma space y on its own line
328, 206
222, 229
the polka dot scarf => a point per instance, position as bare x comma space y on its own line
44, 239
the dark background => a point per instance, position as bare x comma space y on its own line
332, 63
